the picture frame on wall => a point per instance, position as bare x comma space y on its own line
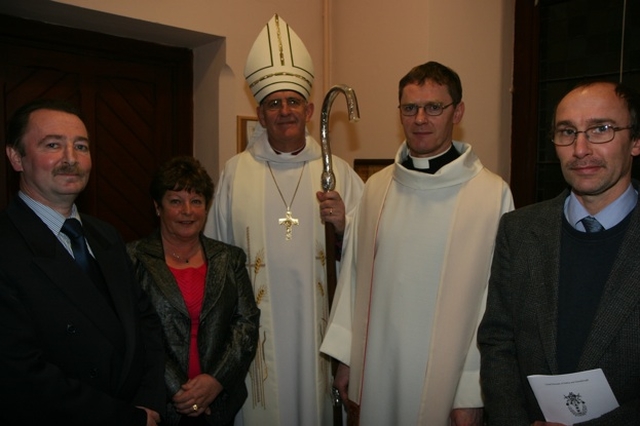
245, 127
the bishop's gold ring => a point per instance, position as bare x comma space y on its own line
195, 407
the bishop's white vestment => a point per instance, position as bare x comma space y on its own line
289, 381
412, 288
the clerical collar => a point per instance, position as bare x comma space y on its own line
431, 164
289, 154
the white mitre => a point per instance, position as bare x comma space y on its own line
278, 60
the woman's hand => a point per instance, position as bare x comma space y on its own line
195, 396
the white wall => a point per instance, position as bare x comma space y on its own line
366, 45
373, 47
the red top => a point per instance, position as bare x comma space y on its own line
191, 284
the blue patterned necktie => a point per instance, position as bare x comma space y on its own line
591, 224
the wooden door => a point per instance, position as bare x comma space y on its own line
136, 102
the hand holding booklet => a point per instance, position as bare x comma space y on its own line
573, 398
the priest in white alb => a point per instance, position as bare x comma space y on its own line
415, 270
269, 201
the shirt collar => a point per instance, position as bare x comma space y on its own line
49, 216
608, 217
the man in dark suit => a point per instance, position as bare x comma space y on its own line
564, 293
79, 346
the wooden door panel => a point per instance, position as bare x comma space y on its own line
135, 98
130, 208
125, 119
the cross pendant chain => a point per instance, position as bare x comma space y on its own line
288, 221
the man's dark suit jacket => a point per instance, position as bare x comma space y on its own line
66, 357
517, 335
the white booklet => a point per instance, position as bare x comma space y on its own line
573, 398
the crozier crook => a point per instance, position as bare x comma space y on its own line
328, 178
329, 184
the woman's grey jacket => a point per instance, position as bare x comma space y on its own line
228, 329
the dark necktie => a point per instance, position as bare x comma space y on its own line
591, 224
73, 229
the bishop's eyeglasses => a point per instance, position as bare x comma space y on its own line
292, 103
601, 133
432, 108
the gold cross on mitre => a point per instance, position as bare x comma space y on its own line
288, 221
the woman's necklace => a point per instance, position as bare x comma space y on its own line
288, 220
183, 258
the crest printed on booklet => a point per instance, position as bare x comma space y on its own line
576, 404
278, 60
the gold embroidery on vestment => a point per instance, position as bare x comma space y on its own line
258, 371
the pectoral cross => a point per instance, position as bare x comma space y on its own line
288, 221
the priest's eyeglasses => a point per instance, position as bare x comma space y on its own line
601, 133
432, 108
292, 103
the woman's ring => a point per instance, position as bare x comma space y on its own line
195, 407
